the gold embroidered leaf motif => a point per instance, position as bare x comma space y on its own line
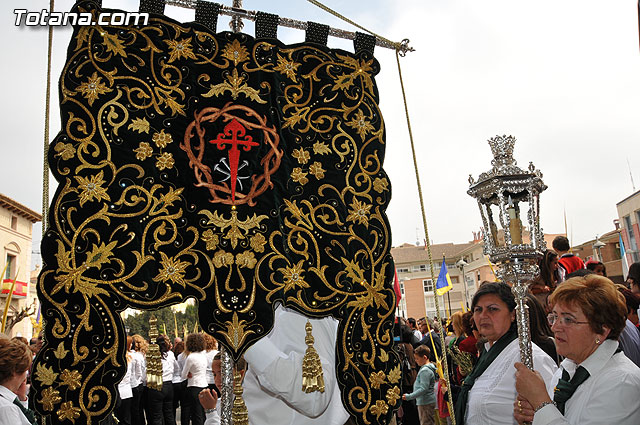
321, 148
172, 270
301, 155
362, 126
162, 139
92, 88
222, 259
236, 85
342, 82
113, 44
162, 204
246, 259
287, 68
377, 379
359, 212
60, 352
384, 356
293, 276
373, 294
362, 70
68, 411
87, 288
299, 176
50, 397
236, 226
45, 374
65, 150
141, 125
236, 333
210, 239
295, 118
316, 170
394, 375
143, 151
354, 272
165, 161
380, 185
180, 49
100, 254
380, 408
257, 242
176, 108
82, 37
235, 52
393, 394
295, 210
91, 188
70, 378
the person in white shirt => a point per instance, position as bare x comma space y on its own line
195, 371
138, 378
209, 397
212, 350
179, 386
125, 394
273, 382
487, 394
159, 406
15, 361
596, 383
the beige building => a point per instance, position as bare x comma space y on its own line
16, 224
416, 283
629, 216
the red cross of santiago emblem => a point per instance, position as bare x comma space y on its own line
243, 131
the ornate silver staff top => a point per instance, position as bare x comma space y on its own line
504, 192
226, 392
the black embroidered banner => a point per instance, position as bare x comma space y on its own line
235, 171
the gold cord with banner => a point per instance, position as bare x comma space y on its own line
426, 234
47, 103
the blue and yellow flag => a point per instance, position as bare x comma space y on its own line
444, 280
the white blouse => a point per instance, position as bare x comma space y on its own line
494, 392
196, 364
124, 387
210, 355
167, 367
611, 394
9, 412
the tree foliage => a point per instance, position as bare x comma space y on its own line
138, 323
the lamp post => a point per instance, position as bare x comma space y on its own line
597, 246
512, 194
460, 264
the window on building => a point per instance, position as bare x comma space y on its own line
419, 268
402, 288
11, 266
427, 286
633, 246
403, 270
14, 222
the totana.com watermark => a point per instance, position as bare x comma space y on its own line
46, 18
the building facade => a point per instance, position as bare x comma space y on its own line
16, 226
629, 216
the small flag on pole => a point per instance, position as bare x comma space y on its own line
396, 288
443, 285
623, 257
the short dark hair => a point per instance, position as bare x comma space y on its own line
422, 351
500, 289
412, 321
580, 273
631, 299
634, 273
561, 243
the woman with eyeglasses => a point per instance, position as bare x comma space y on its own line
596, 383
487, 394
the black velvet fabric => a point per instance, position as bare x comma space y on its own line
235, 171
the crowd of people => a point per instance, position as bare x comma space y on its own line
585, 351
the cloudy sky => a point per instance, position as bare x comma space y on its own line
560, 76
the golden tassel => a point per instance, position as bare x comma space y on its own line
239, 414
312, 377
154, 359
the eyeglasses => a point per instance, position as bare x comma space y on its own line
565, 321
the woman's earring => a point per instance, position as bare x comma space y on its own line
597, 341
